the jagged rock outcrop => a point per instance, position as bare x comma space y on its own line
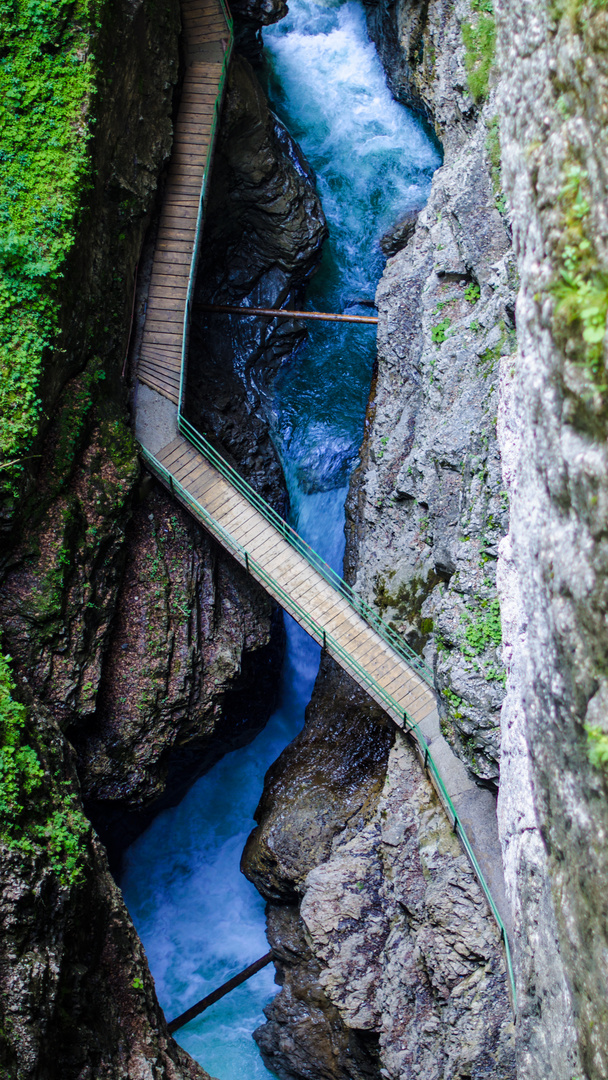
390, 966
427, 507
190, 672
553, 805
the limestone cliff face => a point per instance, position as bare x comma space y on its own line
554, 808
427, 507
388, 962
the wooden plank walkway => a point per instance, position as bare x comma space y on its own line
287, 573
206, 35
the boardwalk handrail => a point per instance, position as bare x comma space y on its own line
323, 637
327, 640
202, 201
386, 632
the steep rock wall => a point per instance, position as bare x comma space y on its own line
554, 808
77, 999
388, 961
427, 507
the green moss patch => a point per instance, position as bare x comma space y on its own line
479, 39
597, 746
47, 78
37, 814
581, 286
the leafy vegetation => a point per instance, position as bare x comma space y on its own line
480, 42
494, 154
597, 746
472, 293
483, 631
581, 288
439, 331
46, 83
32, 817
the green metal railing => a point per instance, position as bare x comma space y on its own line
362, 608
333, 647
327, 640
201, 202
316, 631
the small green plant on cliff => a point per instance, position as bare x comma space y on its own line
480, 42
483, 631
439, 331
32, 818
597, 746
494, 154
46, 83
472, 293
581, 288
20, 770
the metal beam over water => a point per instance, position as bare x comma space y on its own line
285, 313
216, 995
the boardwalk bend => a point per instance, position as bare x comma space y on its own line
332, 613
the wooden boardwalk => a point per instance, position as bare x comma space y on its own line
296, 584
206, 36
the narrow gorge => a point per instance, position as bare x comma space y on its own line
190, 776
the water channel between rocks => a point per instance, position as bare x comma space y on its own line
200, 920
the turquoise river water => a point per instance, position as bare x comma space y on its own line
200, 920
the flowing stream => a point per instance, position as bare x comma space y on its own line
200, 920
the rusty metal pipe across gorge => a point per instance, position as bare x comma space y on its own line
221, 992
283, 313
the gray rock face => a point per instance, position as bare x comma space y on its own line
395, 964
189, 673
427, 507
554, 136
401, 925
422, 50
